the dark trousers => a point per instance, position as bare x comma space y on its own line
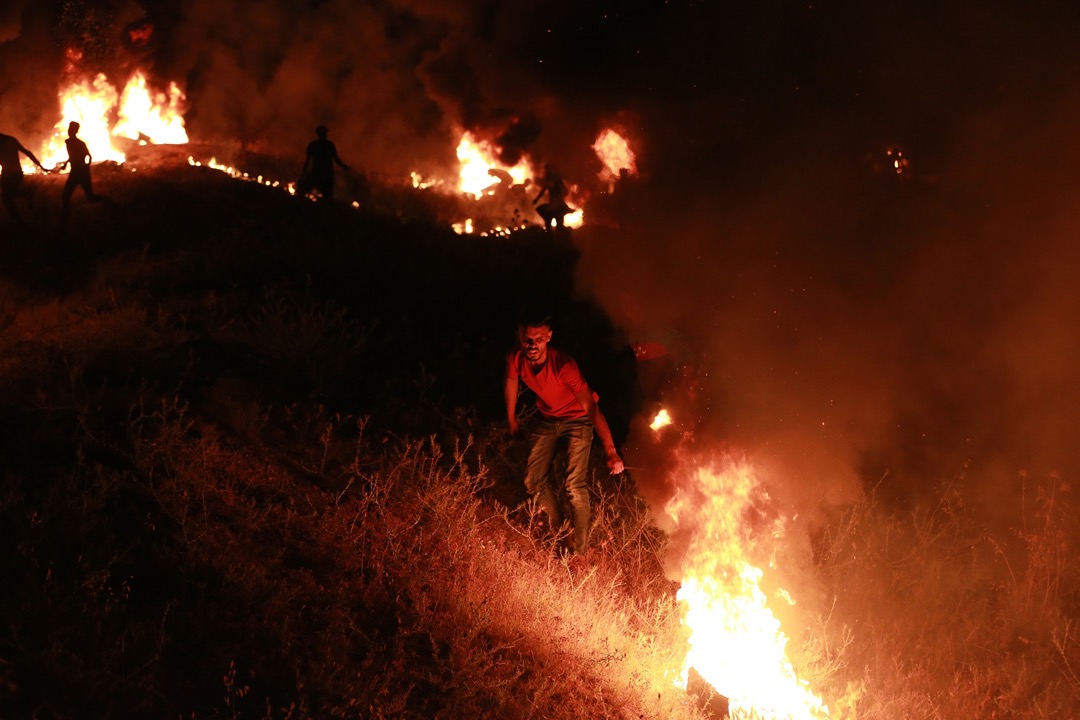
544, 439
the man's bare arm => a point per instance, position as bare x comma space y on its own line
614, 462
510, 393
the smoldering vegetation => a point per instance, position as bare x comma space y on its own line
253, 463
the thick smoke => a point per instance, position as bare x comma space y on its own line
850, 326
395, 82
861, 328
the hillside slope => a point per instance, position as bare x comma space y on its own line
254, 467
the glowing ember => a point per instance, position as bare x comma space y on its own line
736, 643
662, 419
615, 153
900, 163
156, 120
419, 182
233, 172
477, 160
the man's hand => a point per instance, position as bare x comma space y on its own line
614, 462
514, 426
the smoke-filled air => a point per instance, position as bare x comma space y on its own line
831, 247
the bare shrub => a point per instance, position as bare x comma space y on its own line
302, 336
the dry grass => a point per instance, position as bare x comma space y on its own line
252, 468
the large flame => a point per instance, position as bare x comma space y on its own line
616, 155
736, 642
156, 119
90, 103
103, 114
662, 419
478, 159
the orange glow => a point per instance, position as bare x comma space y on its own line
419, 182
233, 172
90, 103
736, 642
103, 113
477, 158
896, 157
662, 419
156, 119
575, 219
465, 228
615, 153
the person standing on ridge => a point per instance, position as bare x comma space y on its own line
11, 173
318, 170
567, 409
555, 210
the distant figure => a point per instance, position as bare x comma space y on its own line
555, 210
318, 170
11, 173
79, 159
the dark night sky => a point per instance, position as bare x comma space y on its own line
853, 322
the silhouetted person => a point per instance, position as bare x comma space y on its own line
555, 210
79, 159
11, 173
318, 170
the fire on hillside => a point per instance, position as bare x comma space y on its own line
105, 115
736, 643
486, 197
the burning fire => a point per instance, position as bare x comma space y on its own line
662, 420
899, 163
103, 113
736, 642
156, 119
482, 175
89, 103
577, 218
615, 153
477, 160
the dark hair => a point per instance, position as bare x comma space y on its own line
534, 316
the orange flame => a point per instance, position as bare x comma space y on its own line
90, 103
157, 119
662, 420
103, 113
575, 219
477, 158
615, 153
736, 642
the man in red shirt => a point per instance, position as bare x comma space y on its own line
567, 409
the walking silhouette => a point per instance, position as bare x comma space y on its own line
11, 174
318, 170
79, 160
555, 210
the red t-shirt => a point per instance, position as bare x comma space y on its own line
556, 384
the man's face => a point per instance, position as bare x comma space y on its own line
534, 341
